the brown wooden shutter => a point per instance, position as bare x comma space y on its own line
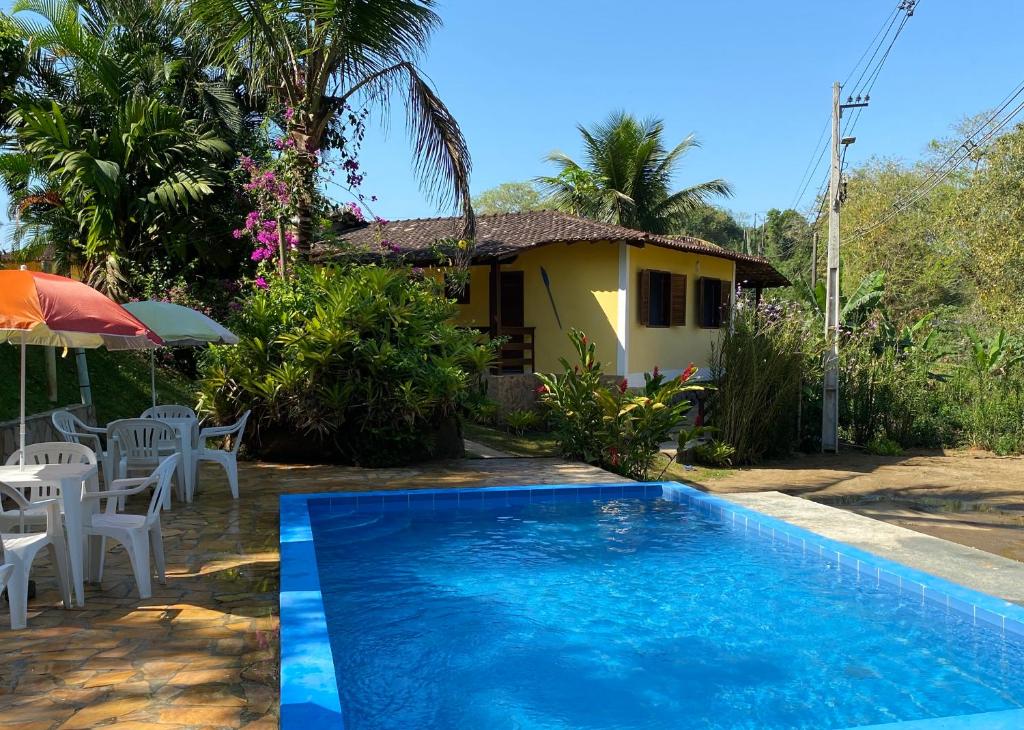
699, 299
677, 311
726, 302
644, 300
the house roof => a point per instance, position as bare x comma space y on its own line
502, 236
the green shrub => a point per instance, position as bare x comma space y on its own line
888, 393
520, 421
356, 364
760, 367
713, 453
609, 425
883, 446
481, 409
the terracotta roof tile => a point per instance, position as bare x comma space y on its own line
503, 235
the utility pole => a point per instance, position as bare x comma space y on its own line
814, 261
830, 395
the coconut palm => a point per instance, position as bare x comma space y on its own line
626, 177
321, 58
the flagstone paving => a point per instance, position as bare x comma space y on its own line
202, 652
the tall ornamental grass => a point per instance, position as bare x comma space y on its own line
760, 366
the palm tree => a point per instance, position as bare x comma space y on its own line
116, 134
319, 57
626, 177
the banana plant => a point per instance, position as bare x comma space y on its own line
855, 308
992, 357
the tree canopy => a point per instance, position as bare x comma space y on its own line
510, 197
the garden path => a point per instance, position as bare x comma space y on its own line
973, 498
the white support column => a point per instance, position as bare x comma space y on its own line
622, 314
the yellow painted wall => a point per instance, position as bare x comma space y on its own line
584, 286
671, 348
476, 312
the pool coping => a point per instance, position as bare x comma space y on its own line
309, 688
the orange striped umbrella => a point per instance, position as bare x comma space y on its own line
45, 309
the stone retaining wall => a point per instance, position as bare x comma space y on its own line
513, 392
39, 428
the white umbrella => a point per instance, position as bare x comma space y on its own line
178, 326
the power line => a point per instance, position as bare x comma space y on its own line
809, 171
956, 158
892, 20
876, 44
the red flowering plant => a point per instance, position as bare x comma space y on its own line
605, 422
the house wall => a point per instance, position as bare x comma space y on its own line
584, 289
670, 348
593, 286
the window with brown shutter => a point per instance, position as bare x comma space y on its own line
645, 296
677, 315
714, 298
662, 300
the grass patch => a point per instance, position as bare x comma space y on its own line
529, 444
676, 471
120, 383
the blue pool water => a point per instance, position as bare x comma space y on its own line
630, 614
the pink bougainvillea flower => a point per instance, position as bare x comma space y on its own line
237, 233
262, 283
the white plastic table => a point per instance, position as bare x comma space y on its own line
188, 431
74, 479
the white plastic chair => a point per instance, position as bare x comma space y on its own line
138, 533
141, 445
19, 552
6, 570
169, 411
228, 458
51, 452
76, 431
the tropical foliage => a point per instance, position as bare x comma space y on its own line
358, 365
119, 136
611, 425
626, 177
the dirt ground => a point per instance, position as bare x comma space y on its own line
973, 498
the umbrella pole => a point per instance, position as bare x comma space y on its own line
21, 422
152, 374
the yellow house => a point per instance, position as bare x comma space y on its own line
645, 300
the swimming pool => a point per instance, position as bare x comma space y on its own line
626, 606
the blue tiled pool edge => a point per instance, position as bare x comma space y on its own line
309, 688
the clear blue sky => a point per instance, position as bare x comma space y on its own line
751, 79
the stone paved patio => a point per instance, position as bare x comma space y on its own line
202, 653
